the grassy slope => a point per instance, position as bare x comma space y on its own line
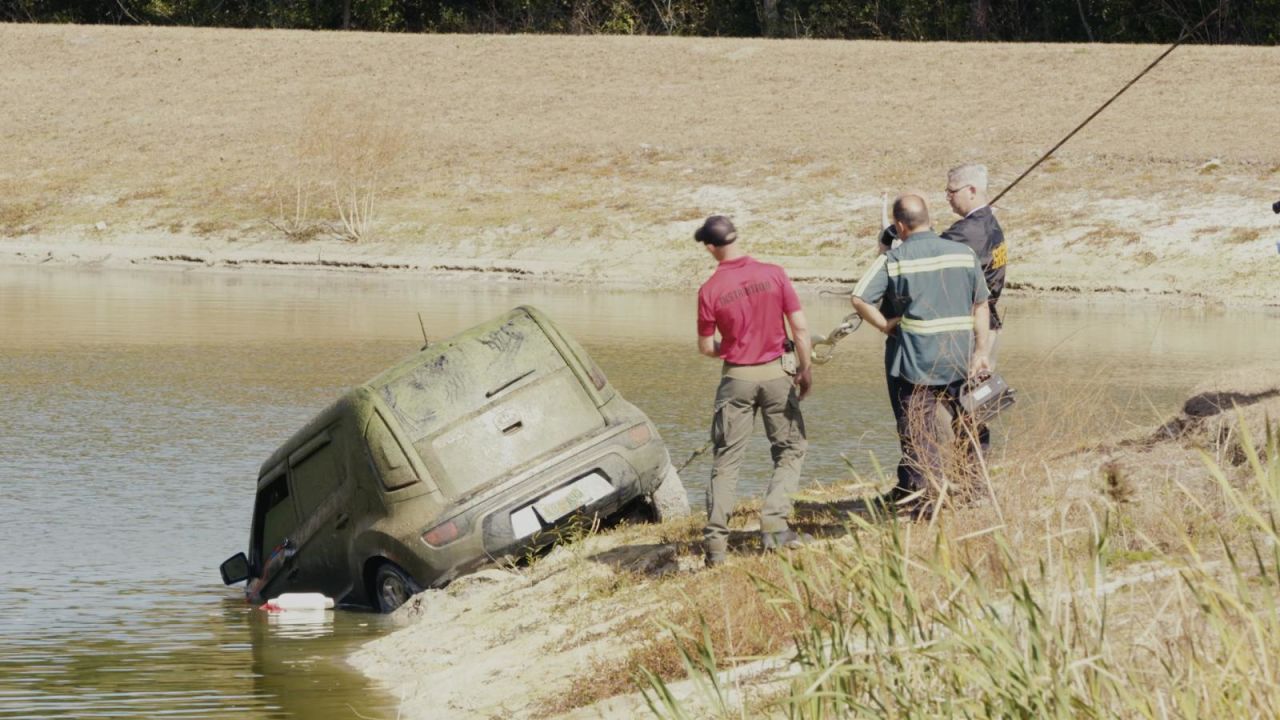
595, 157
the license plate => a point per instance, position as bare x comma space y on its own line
579, 493
524, 522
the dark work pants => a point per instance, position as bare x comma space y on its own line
915, 410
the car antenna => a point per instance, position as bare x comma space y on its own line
425, 340
1185, 35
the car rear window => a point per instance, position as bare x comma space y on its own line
491, 403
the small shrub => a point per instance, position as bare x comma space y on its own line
1104, 236
340, 160
17, 218
1240, 236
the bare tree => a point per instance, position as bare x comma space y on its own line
1088, 31
769, 19
980, 19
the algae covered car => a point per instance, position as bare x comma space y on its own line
474, 450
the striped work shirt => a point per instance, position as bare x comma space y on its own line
932, 285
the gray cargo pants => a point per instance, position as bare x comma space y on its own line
737, 401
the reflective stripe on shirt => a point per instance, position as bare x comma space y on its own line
956, 323
898, 268
861, 287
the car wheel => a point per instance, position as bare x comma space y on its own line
392, 587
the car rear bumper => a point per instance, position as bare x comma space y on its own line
507, 528
486, 531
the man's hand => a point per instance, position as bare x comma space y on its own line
871, 314
804, 380
979, 366
709, 346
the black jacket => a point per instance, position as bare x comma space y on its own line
981, 232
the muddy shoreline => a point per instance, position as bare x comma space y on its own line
666, 272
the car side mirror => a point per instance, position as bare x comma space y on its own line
234, 569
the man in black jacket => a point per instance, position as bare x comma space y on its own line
979, 229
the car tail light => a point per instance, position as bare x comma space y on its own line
638, 435
441, 535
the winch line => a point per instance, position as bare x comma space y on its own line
1104, 105
1182, 39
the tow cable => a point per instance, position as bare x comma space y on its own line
824, 346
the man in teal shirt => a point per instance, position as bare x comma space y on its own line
936, 315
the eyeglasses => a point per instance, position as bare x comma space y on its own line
953, 191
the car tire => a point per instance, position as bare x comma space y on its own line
669, 500
392, 587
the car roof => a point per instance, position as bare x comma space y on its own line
359, 396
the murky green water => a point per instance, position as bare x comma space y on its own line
137, 406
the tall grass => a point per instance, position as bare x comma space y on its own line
966, 624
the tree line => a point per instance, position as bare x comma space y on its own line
1252, 22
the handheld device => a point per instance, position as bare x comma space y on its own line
983, 400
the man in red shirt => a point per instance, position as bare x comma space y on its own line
747, 302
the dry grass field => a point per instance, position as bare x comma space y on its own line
574, 158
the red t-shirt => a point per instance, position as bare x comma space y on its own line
746, 300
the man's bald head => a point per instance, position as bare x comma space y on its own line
911, 211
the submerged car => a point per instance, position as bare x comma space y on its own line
477, 449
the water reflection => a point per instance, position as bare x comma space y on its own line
194, 652
139, 404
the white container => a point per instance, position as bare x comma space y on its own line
300, 601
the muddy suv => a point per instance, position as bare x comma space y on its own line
476, 449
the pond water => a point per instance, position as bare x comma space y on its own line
138, 405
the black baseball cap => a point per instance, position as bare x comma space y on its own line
717, 230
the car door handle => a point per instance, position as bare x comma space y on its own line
341, 522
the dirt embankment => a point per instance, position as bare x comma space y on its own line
565, 636
591, 159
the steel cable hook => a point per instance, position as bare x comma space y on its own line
823, 347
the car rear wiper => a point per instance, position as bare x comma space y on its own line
509, 383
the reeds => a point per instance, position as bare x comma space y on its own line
915, 621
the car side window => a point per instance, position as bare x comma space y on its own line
317, 473
388, 457
275, 518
